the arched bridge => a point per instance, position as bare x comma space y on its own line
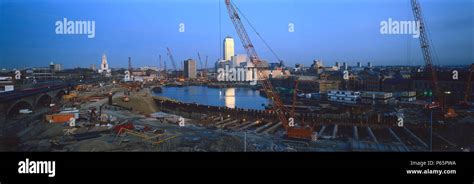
12, 102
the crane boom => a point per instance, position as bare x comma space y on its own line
171, 58
200, 61
425, 48
278, 107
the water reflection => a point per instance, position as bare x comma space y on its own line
230, 97
246, 98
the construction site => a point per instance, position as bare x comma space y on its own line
325, 112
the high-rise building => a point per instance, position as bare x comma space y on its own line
359, 64
369, 65
190, 69
228, 48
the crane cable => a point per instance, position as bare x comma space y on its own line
256, 32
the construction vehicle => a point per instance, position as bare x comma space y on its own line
293, 129
70, 96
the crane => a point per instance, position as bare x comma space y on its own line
171, 58
200, 63
292, 130
203, 67
427, 56
162, 66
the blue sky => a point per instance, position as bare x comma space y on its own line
331, 30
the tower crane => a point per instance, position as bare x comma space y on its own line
293, 130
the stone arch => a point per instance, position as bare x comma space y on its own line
43, 101
14, 109
59, 95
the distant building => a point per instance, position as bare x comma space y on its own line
307, 84
221, 64
104, 66
154, 68
298, 67
359, 65
454, 90
93, 67
260, 65
343, 96
239, 60
6, 84
376, 97
317, 64
40, 74
55, 67
228, 48
369, 64
408, 96
370, 81
344, 66
190, 69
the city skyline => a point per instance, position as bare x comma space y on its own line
144, 29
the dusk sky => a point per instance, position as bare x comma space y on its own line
330, 30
